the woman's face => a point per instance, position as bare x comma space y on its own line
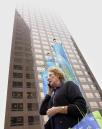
53, 79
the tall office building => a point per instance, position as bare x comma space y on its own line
33, 34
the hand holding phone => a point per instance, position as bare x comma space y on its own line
49, 85
50, 89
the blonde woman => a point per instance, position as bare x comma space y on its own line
61, 102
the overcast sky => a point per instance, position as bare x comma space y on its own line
84, 21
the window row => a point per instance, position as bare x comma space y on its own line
97, 105
20, 106
20, 60
19, 53
19, 120
85, 79
93, 95
20, 75
19, 84
19, 66
19, 95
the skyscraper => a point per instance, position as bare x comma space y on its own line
33, 34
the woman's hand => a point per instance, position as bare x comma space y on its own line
60, 109
52, 111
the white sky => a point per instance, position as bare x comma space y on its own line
84, 21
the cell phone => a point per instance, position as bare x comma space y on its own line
49, 85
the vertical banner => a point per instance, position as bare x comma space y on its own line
64, 62
44, 74
50, 62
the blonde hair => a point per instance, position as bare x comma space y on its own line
58, 72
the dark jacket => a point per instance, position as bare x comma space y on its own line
66, 95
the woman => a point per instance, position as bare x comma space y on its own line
62, 102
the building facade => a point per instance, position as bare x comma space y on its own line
33, 34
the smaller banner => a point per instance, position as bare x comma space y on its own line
90, 121
44, 76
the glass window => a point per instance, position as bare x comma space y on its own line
50, 33
30, 120
29, 60
38, 51
17, 75
17, 84
29, 68
35, 33
38, 56
93, 104
86, 87
78, 72
77, 56
97, 95
18, 53
17, 121
32, 106
30, 84
18, 47
76, 66
28, 55
74, 61
39, 69
44, 38
33, 120
86, 73
39, 62
43, 35
29, 76
17, 95
82, 79
89, 79
89, 95
36, 41
18, 60
72, 56
44, 42
80, 62
17, 67
28, 48
100, 103
37, 45
83, 67
42, 31
31, 95
35, 37
46, 47
93, 87
69, 51
17, 107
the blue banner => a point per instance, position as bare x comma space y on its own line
58, 48
63, 61
44, 75
89, 122
50, 62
